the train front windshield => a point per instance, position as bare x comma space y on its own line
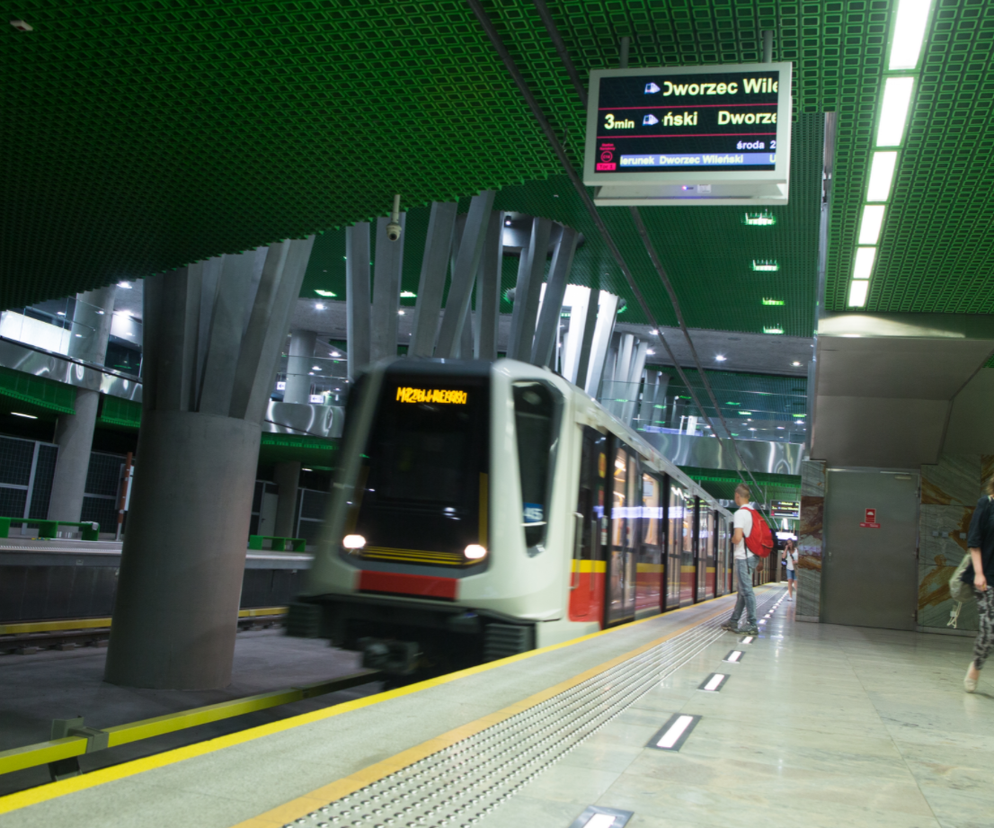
423, 484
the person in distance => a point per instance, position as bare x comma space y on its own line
745, 563
980, 572
790, 558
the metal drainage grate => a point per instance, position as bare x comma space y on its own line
459, 785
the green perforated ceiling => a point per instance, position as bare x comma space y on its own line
143, 135
936, 251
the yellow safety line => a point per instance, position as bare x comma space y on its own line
98, 623
53, 790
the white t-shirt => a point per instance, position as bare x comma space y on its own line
742, 520
791, 559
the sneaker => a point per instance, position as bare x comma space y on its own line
730, 627
748, 631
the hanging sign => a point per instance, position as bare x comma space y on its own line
871, 520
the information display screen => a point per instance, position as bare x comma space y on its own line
710, 134
713, 121
785, 508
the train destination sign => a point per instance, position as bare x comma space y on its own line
406, 394
715, 135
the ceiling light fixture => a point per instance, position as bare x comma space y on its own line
881, 175
125, 285
22, 25
326, 293
864, 262
795, 364
894, 110
909, 33
719, 357
318, 306
408, 294
775, 302
775, 329
764, 219
873, 220
26, 416
765, 265
857, 293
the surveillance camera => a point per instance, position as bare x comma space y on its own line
393, 228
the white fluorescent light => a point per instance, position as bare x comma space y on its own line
864, 262
715, 682
125, 285
353, 542
909, 32
676, 730
318, 306
894, 111
881, 176
873, 221
719, 358
734, 656
857, 293
26, 416
599, 821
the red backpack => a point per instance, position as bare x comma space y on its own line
760, 539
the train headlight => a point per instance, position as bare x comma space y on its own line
475, 552
353, 542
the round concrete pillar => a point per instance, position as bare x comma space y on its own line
180, 585
299, 363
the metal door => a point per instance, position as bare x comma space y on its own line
267, 513
869, 577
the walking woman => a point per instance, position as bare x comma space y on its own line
790, 558
980, 541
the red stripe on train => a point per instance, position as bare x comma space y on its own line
420, 586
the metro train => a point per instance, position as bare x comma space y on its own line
486, 508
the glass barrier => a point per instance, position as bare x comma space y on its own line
318, 380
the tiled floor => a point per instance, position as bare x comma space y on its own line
817, 726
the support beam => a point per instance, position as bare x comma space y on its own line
287, 478
74, 432
431, 286
386, 291
589, 325
488, 288
299, 361
528, 290
547, 331
607, 306
357, 297
464, 275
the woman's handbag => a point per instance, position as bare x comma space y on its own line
959, 589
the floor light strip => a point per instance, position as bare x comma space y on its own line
734, 656
714, 682
675, 732
597, 817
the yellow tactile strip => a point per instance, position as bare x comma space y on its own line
291, 811
43, 793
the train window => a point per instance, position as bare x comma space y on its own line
535, 416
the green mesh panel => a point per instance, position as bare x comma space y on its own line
44, 393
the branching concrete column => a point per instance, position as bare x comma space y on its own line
213, 335
74, 432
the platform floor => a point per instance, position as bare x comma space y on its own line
816, 726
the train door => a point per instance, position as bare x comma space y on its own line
675, 508
586, 597
623, 536
719, 555
687, 568
649, 566
700, 551
711, 568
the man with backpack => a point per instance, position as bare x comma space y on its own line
750, 543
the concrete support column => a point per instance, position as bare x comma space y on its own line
357, 297
424, 327
210, 361
386, 291
74, 432
287, 478
488, 288
547, 330
528, 290
299, 362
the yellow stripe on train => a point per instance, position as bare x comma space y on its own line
590, 566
